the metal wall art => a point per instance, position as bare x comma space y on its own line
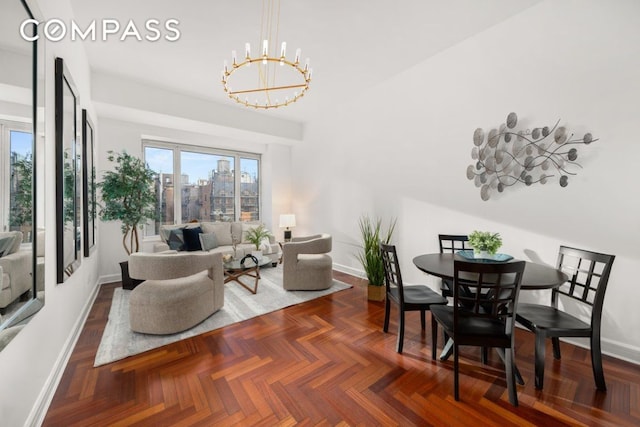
507, 156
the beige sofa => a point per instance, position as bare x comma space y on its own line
226, 233
16, 269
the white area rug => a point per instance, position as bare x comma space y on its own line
119, 341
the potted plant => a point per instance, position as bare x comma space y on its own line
128, 196
484, 243
256, 235
370, 257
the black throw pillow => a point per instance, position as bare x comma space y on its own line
192, 238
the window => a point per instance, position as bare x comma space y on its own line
160, 160
16, 154
249, 190
209, 189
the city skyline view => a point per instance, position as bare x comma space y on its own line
193, 164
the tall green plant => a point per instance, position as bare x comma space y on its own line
21, 182
370, 257
128, 196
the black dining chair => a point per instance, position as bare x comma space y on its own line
483, 315
451, 243
588, 277
408, 298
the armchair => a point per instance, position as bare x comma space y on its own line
179, 290
306, 263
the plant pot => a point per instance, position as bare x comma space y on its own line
376, 293
127, 281
481, 254
257, 254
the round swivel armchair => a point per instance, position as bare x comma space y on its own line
306, 263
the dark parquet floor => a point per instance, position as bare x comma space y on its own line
328, 363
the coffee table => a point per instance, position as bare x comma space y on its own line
247, 266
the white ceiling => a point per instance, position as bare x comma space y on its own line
353, 45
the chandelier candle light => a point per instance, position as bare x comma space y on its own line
280, 81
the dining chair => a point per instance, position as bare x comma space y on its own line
451, 243
484, 316
408, 298
588, 277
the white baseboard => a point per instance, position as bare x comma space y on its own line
109, 278
349, 270
40, 407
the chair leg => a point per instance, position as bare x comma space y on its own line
434, 337
423, 322
456, 369
387, 311
400, 331
511, 383
484, 355
555, 341
539, 356
596, 362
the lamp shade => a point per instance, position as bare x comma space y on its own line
287, 220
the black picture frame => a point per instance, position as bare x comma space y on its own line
68, 173
88, 184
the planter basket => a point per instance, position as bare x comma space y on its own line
376, 293
127, 281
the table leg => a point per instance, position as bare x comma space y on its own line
447, 350
235, 276
519, 379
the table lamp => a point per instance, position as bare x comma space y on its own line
287, 220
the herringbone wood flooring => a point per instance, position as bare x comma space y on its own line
327, 362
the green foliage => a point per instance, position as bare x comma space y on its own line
128, 196
21, 180
485, 241
370, 257
256, 234
70, 206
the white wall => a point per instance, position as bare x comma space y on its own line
30, 364
402, 149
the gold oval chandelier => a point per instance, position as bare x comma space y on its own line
267, 80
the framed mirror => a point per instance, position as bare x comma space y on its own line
68, 173
21, 170
88, 185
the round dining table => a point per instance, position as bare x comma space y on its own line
535, 276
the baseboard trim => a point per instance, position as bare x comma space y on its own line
109, 278
349, 270
41, 406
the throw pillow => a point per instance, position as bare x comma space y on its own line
222, 231
192, 238
208, 241
5, 244
17, 242
265, 246
176, 240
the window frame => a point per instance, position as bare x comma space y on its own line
177, 148
6, 127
